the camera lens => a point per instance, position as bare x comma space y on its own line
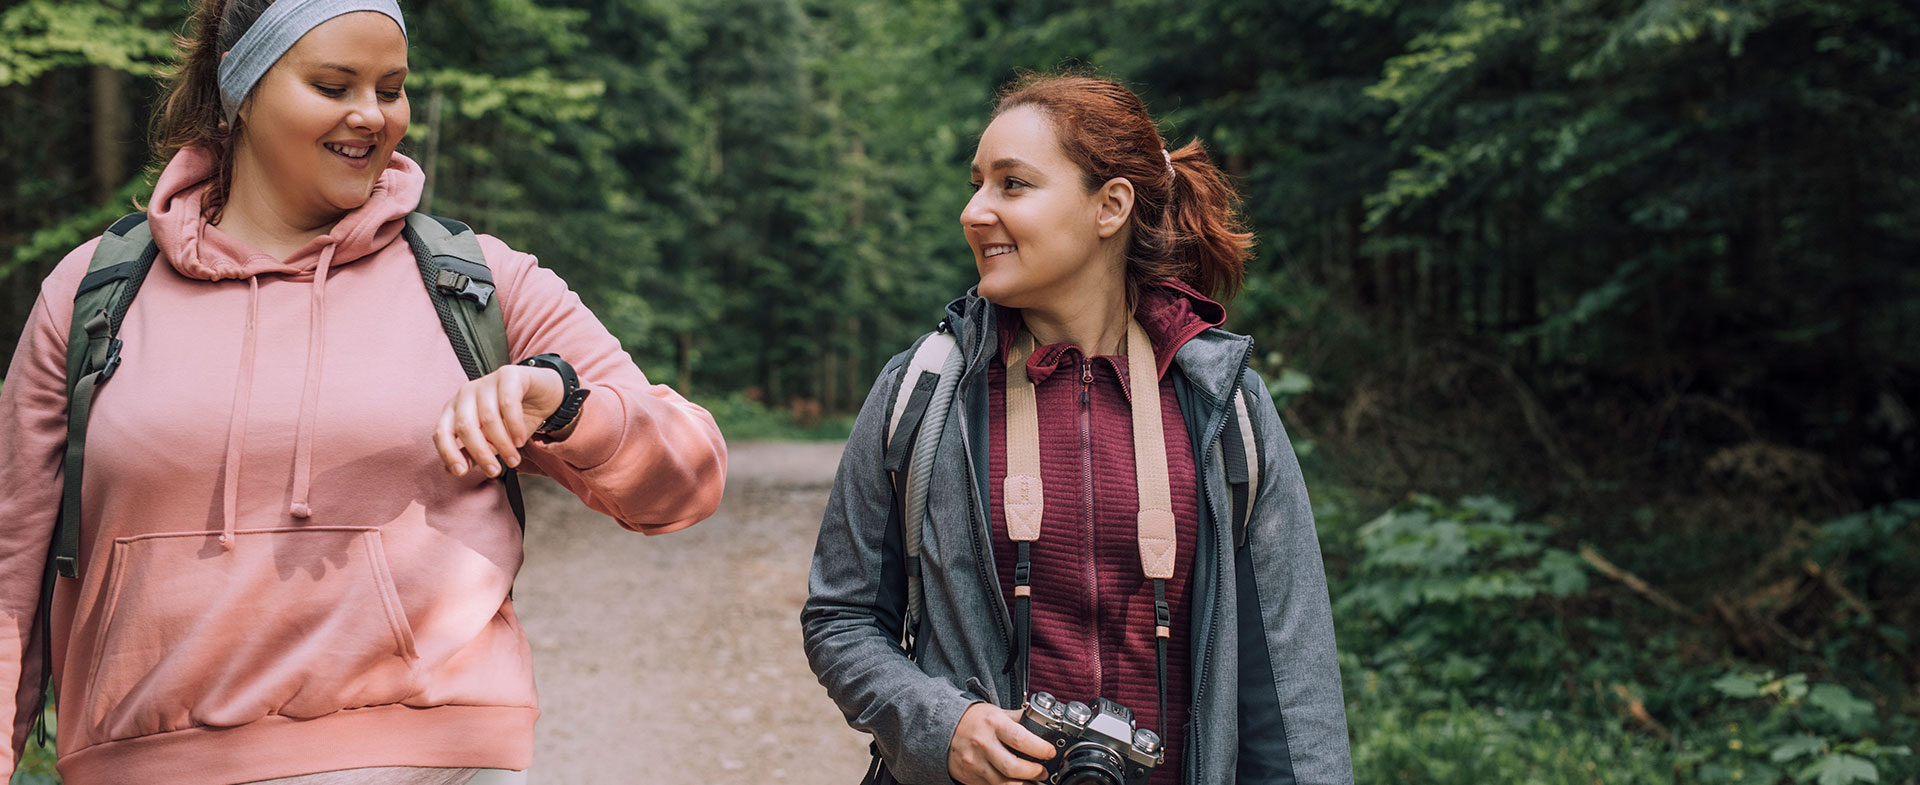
1091, 764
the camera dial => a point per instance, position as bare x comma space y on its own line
1078, 713
1146, 741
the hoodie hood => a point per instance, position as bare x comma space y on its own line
202, 251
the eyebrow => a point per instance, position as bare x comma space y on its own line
348, 70
1003, 163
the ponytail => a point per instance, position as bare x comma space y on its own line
1209, 245
1185, 224
190, 113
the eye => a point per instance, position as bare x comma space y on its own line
390, 95
330, 92
973, 185
1013, 183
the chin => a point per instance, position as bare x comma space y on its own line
992, 288
1002, 292
351, 201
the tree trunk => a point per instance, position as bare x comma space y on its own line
430, 157
112, 127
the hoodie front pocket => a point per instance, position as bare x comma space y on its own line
295, 622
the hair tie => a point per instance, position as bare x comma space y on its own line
276, 31
1169, 157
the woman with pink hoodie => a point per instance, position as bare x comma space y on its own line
294, 561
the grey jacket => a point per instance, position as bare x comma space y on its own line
1266, 702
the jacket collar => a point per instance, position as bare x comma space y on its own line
1212, 360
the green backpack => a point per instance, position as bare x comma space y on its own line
451, 265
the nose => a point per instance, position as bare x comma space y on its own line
365, 114
978, 211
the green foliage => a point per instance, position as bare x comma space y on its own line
1451, 596
743, 419
49, 243
1462, 744
37, 36
1884, 536
1806, 732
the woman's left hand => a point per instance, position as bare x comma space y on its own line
489, 418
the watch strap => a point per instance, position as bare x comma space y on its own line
573, 396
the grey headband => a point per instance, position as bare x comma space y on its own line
277, 30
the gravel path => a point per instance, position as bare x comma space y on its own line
677, 659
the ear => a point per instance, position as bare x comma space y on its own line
1115, 206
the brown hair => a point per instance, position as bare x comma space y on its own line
1185, 222
189, 115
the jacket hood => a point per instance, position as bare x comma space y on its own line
199, 250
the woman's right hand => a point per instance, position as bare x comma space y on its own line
982, 751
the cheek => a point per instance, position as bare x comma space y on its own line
399, 117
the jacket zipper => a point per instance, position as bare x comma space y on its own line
1086, 476
1223, 563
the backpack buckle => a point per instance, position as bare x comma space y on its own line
113, 362
461, 285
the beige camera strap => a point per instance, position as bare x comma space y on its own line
1024, 501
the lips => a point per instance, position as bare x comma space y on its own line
995, 250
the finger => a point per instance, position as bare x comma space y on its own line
1006, 764
447, 445
467, 426
513, 412
1007, 728
487, 409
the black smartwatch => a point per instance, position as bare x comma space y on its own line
572, 397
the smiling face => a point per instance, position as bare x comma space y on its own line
1038, 235
320, 127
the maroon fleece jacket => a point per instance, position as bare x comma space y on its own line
1092, 608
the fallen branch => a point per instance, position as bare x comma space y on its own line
1539, 423
1640, 587
1831, 580
1637, 709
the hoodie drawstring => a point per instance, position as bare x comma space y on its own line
237, 421
309, 403
310, 388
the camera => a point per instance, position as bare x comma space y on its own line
1093, 745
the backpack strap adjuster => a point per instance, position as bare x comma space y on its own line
113, 362
462, 285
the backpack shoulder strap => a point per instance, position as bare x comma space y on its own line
914, 428
119, 266
461, 286
1240, 452
917, 383
456, 274
114, 274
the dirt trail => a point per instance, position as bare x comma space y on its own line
677, 659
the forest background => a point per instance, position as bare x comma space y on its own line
1594, 321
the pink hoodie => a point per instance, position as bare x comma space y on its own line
276, 575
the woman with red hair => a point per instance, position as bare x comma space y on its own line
1094, 527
